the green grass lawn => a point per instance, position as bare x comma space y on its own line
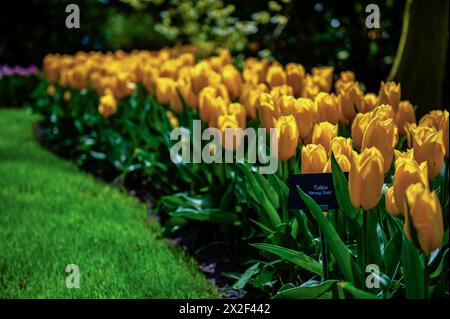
52, 215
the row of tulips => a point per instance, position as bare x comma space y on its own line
393, 208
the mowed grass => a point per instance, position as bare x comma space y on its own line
52, 215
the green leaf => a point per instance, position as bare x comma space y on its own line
295, 257
357, 293
413, 270
246, 276
207, 215
306, 292
342, 194
337, 247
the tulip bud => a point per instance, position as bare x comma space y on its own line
382, 134
443, 125
287, 133
280, 91
407, 172
405, 115
288, 105
423, 223
347, 76
390, 94
239, 111
328, 107
202, 76
342, 161
366, 178
359, 125
295, 77
325, 73
432, 119
305, 117
107, 105
324, 133
391, 206
429, 146
229, 122
342, 146
314, 159
276, 76
383, 111
401, 156
165, 88
231, 78
250, 98
351, 102
370, 102
268, 110
185, 89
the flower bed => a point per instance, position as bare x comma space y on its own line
17, 84
114, 113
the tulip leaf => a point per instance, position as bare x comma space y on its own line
295, 257
337, 247
355, 292
342, 194
306, 292
413, 270
207, 215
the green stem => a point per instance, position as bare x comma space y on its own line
426, 282
364, 239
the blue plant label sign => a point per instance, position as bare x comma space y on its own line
319, 187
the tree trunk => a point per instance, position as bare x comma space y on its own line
420, 62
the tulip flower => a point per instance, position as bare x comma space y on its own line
287, 105
366, 178
325, 73
401, 156
185, 88
295, 77
391, 205
67, 96
324, 133
231, 78
405, 115
314, 159
229, 122
432, 119
343, 162
239, 111
351, 102
107, 105
51, 90
382, 134
424, 222
305, 117
342, 146
250, 98
359, 125
280, 91
287, 133
429, 146
390, 94
443, 125
407, 172
276, 76
165, 89
383, 111
328, 107
268, 110
370, 102
202, 75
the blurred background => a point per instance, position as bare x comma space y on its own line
310, 32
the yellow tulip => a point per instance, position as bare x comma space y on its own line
165, 88
51, 90
202, 75
107, 105
401, 156
287, 133
67, 96
287, 105
351, 102
250, 98
382, 134
405, 115
342, 146
443, 125
359, 125
185, 89
328, 107
229, 122
239, 111
366, 178
295, 77
324, 133
305, 117
276, 76
432, 119
383, 111
391, 205
231, 78
407, 172
280, 91
314, 159
268, 110
324, 73
424, 223
429, 146
370, 102
343, 162
347, 76
390, 94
